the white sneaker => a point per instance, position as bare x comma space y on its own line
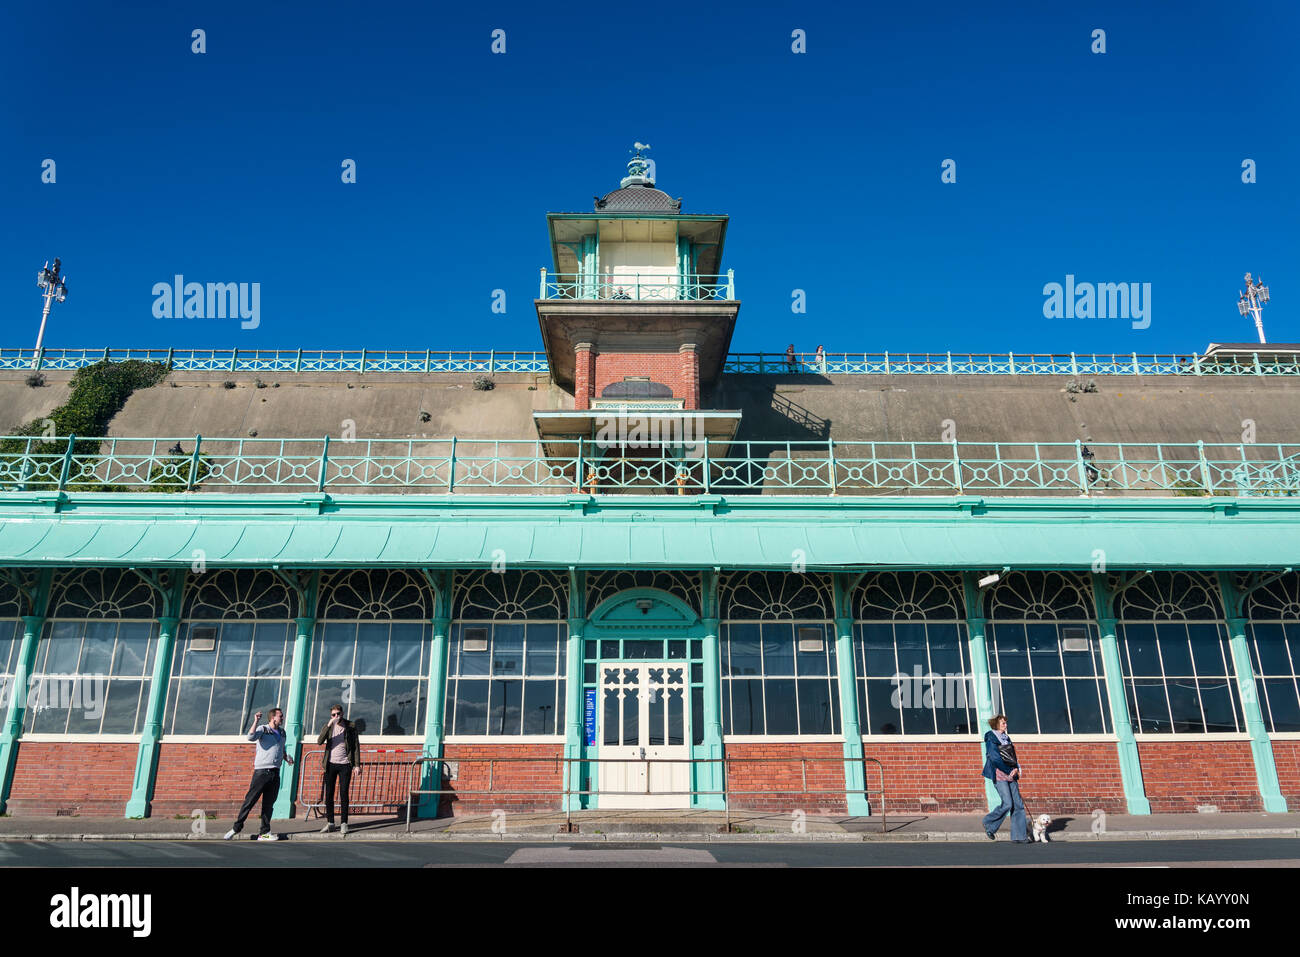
343, 829
229, 835
327, 828
267, 837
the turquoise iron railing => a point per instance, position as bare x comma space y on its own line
764, 363
637, 287
439, 466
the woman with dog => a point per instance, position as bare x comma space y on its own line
1002, 768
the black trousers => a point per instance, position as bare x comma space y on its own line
343, 774
266, 785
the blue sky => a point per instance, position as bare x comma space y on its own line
1115, 167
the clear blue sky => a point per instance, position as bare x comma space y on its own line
1121, 167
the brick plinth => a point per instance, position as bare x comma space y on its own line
1180, 775
543, 778
1286, 756
51, 777
781, 771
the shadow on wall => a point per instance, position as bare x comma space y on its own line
768, 415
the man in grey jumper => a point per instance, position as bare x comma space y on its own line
270, 740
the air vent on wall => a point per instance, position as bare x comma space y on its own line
1074, 638
811, 639
203, 638
475, 639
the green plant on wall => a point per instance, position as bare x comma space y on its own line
97, 393
172, 474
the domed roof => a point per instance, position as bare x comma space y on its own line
638, 199
636, 192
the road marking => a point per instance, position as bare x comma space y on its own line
613, 855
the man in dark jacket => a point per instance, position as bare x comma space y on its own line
342, 756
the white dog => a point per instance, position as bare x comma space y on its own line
1041, 824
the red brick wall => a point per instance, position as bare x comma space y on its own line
1286, 755
472, 775
1178, 776
667, 368
786, 774
52, 777
213, 777
944, 777
583, 377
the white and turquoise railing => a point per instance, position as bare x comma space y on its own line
760, 363
454, 465
638, 287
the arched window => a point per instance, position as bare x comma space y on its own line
779, 670
1273, 633
1045, 663
371, 651
232, 656
910, 654
1173, 644
506, 670
95, 660
11, 638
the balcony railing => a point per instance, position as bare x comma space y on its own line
441, 466
764, 363
635, 287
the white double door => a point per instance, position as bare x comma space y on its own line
644, 717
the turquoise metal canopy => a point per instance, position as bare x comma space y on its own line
647, 532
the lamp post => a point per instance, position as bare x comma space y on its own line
1251, 302
52, 288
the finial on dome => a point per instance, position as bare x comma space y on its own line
638, 168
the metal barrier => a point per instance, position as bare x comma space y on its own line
706, 466
1263, 363
381, 783
417, 771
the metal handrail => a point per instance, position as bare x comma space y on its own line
636, 286
1263, 363
567, 792
377, 779
712, 466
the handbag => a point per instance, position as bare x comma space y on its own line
1007, 752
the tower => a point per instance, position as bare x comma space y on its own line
636, 321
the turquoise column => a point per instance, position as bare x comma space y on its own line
1130, 765
575, 773
37, 599
146, 761
1261, 748
710, 776
854, 772
436, 694
977, 645
305, 627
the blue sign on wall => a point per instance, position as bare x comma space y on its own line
589, 715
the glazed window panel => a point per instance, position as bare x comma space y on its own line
913, 675
771, 686
91, 677
374, 668
224, 672
1275, 655
506, 678
1048, 676
1190, 663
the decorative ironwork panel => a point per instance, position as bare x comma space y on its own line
683, 585
240, 593
909, 596
775, 596
103, 593
1042, 596
488, 595
1277, 601
1171, 596
380, 594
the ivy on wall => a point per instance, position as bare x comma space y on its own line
98, 393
